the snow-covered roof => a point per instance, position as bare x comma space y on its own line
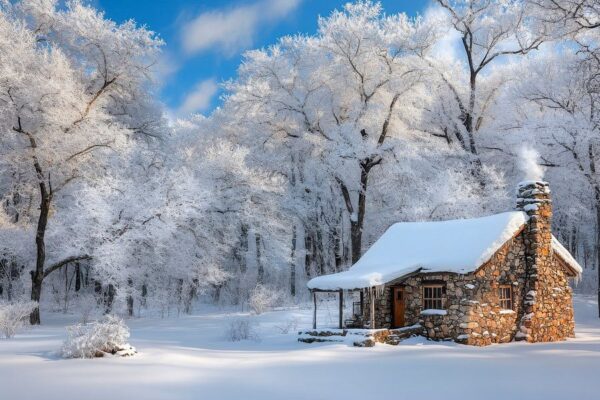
459, 246
566, 256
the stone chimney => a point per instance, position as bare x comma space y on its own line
533, 197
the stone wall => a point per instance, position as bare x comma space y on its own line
553, 318
548, 303
485, 321
383, 308
473, 313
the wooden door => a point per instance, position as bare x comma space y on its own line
398, 308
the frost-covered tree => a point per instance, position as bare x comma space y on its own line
245, 222
562, 91
569, 16
74, 91
335, 102
487, 33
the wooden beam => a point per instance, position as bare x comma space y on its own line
314, 309
341, 294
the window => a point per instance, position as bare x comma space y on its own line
505, 297
433, 297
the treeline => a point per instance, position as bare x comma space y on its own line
321, 143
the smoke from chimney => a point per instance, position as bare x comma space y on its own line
528, 163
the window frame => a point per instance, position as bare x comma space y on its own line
433, 299
506, 302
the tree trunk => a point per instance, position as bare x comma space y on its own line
319, 252
357, 220
596, 187
597, 194
308, 253
193, 293
469, 124
4, 275
243, 248
109, 298
217, 294
97, 288
66, 299
338, 250
469, 117
260, 276
77, 278
293, 264
144, 295
130, 297
242, 254
37, 276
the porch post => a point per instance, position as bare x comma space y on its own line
314, 309
372, 308
341, 292
362, 302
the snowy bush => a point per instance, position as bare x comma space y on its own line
13, 316
263, 298
289, 326
106, 336
241, 329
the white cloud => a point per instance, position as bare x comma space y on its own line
200, 98
166, 66
232, 29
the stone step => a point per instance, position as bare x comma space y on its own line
366, 342
324, 332
363, 337
322, 339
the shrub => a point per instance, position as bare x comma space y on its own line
289, 326
241, 329
14, 316
263, 298
96, 339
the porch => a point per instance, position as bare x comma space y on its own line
356, 320
378, 307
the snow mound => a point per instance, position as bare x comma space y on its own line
459, 246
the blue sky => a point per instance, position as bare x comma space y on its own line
205, 39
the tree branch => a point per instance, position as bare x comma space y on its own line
64, 262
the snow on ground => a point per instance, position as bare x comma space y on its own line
189, 358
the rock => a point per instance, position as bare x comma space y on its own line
369, 342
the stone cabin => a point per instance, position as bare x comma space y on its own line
476, 281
